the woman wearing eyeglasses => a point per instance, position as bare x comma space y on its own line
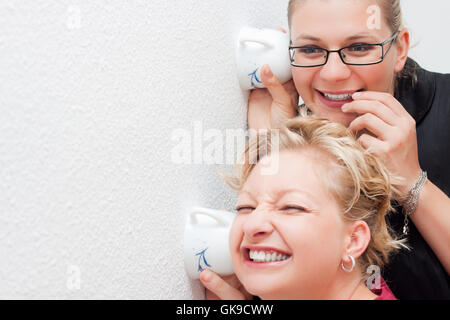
352, 68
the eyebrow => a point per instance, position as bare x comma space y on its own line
305, 36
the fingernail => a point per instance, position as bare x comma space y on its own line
206, 275
268, 72
344, 107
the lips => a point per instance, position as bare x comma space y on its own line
336, 99
339, 92
264, 256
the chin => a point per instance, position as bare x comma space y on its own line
264, 293
333, 115
343, 118
264, 288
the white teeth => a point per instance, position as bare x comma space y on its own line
338, 97
268, 256
274, 256
261, 256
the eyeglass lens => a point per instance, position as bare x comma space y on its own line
359, 54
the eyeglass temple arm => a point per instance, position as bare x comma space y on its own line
392, 39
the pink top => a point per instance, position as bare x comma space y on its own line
384, 293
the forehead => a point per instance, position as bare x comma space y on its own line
296, 170
332, 19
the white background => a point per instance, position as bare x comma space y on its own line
91, 205
429, 26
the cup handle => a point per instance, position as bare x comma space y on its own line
255, 37
196, 211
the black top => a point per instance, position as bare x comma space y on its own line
418, 274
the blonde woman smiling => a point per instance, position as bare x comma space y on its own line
311, 230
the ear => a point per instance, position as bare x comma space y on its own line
357, 241
402, 48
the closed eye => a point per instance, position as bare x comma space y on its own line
294, 209
244, 209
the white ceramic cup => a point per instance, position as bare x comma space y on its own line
257, 47
206, 242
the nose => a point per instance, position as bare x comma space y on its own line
335, 69
257, 227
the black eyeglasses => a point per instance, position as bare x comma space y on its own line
361, 54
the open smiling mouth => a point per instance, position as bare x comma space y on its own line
336, 99
265, 256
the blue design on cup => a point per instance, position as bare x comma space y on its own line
253, 76
201, 257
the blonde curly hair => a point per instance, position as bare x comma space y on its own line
357, 179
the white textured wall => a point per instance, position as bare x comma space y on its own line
90, 93
429, 26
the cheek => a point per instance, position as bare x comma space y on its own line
373, 78
235, 238
319, 245
303, 79
235, 241
377, 78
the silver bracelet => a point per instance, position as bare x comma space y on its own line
412, 199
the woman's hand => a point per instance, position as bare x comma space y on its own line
228, 288
273, 105
394, 137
